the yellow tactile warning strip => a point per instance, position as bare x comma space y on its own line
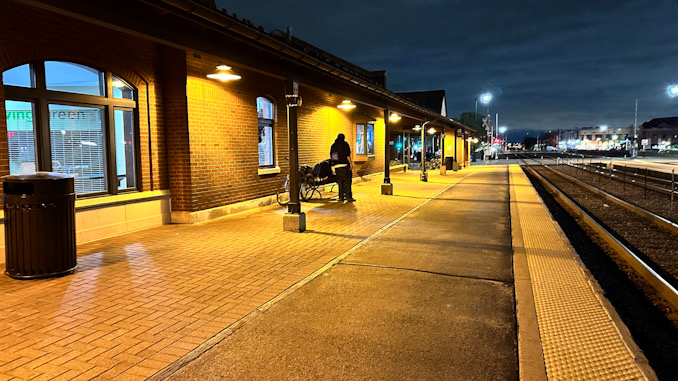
582, 337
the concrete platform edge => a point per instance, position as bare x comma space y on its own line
530, 356
636, 353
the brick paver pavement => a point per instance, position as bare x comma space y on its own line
141, 301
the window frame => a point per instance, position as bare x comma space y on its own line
41, 98
367, 134
273, 131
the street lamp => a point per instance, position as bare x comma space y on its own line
502, 130
673, 90
486, 98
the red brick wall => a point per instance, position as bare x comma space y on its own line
320, 121
198, 136
224, 137
175, 112
34, 34
223, 133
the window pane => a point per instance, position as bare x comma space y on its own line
265, 143
77, 142
124, 149
121, 89
264, 108
370, 139
73, 78
18, 76
20, 137
360, 139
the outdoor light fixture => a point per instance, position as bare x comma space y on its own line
673, 90
394, 117
485, 98
346, 105
603, 127
431, 131
223, 73
417, 127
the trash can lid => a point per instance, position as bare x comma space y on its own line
37, 176
39, 183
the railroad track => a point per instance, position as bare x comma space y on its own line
641, 239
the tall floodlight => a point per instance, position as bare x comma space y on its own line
673, 90
485, 99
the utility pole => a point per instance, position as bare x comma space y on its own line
634, 151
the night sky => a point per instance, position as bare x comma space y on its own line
550, 64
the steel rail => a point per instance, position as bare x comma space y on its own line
635, 178
649, 275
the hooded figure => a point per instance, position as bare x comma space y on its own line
340, 153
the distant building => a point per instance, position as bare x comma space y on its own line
659, 133
603, 138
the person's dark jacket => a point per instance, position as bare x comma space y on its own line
343, 149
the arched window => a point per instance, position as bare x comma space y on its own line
265, 112
70, 118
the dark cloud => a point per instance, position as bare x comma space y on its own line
559, 64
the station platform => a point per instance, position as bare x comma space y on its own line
465, 276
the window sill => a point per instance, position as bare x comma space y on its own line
363, 158
268, 171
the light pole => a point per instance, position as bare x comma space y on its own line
423, 176
485, 98
475, 117
502, 130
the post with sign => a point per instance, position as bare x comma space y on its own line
294, 220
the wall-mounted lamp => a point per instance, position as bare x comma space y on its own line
394, 117
223, 73
346, 105
417, 127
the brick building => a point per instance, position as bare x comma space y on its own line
660, 133
117, 94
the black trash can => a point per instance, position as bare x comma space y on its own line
39, 225
448, 162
